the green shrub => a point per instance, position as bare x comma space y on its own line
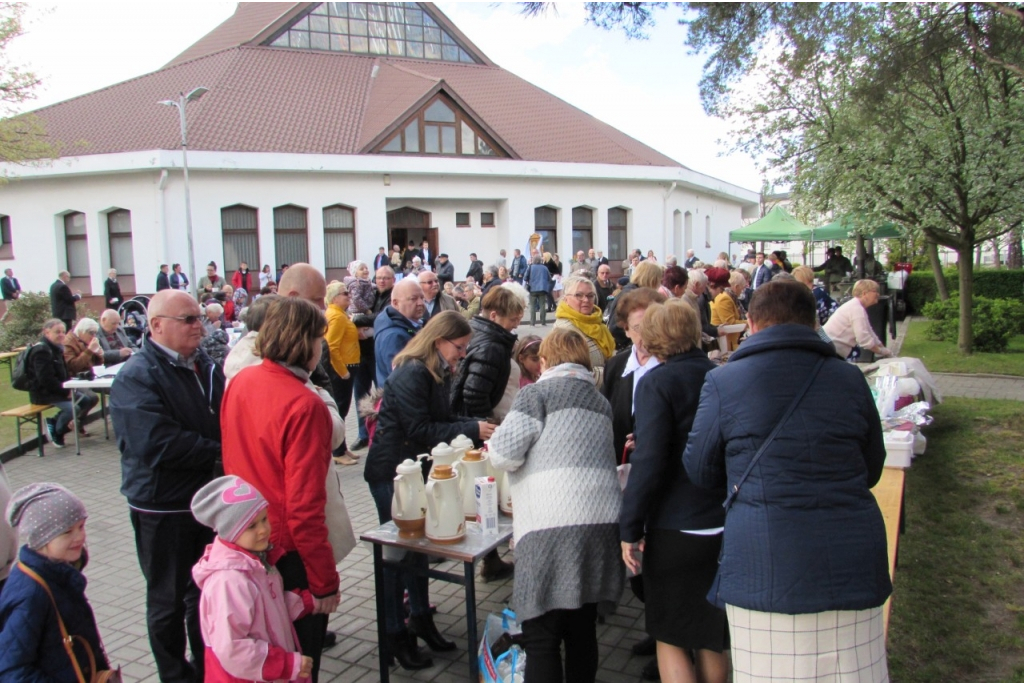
995, 321
25, 318
992, 283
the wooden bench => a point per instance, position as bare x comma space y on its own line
29, 414
7, 359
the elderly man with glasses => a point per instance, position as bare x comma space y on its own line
434, 301
166, 411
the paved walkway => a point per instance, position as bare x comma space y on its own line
117, 589
975, 386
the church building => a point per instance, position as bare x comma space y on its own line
322, 131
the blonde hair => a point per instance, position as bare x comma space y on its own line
736, 277
864, 286
447, 325
804, 274
571, 284
565, 346
334, 288
647, 275
669, 329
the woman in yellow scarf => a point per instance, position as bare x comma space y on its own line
578, 310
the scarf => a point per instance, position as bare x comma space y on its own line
568, 370
590, 325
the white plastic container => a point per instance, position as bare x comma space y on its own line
899, 449
920, 444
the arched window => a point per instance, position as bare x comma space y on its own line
6, 244
77, 244
291, 243
339, 236
239, 228
582, 230
119, 235
617, 249
545, 222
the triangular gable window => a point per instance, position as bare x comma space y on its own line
395, 29
440, 127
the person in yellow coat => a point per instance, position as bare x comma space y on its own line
725, 309
343, 343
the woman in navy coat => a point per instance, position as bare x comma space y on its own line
804, 568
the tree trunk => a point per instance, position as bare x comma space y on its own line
940, 278
1015, 255
965, 341
996, 261
977, 256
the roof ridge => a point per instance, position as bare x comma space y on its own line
135, 78
408, 70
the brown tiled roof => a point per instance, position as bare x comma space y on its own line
249, 21
265, 99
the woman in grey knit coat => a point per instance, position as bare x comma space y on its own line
556, 444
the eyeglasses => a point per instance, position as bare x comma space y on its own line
585, 296
460, 348
190, 320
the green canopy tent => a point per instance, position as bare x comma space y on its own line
778, 225
850, 226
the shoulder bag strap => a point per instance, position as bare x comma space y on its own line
775, 431
65, 638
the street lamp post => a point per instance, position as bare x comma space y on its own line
180, 103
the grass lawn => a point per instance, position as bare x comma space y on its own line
958, 607
945, 357
10, 398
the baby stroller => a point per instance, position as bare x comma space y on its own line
135, 317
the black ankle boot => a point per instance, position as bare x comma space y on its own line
423, 627
402, 646
494, 569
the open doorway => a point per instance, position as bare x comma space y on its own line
407, 224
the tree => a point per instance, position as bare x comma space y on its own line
905, 113
23, 138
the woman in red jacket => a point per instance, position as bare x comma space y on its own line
281, 443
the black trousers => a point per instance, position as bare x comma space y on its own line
311, 628
169, 545
341, 391
543, 637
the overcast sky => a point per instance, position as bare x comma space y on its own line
648, 89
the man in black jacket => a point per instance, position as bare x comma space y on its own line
445, 270
476, 269
48, 373
62, 300
163, 278
9, 285
166, 411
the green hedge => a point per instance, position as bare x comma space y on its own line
995, 322
991, 283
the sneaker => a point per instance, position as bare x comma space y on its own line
57, 440
359, 444
48, 433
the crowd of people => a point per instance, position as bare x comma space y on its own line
623, 431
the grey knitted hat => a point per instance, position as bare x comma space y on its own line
228, 505
42, 511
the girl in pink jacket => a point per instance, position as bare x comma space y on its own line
245, 613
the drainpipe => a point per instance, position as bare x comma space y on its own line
664, 221
161, 184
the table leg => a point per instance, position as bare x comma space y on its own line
471, 636
382, 638
75, 421
103, 415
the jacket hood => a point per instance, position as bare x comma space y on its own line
787, 336
220, 556
392, 318
486, 332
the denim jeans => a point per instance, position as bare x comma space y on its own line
539, 301
397, 581
84, 399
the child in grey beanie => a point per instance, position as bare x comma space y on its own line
51, 523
